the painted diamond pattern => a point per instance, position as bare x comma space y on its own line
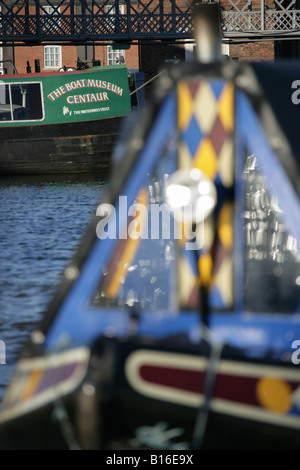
192, 135
205, 107
205, 118
218, 135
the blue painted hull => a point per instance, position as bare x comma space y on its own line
178, 342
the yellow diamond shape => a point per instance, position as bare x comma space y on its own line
226, 157
205, 265
225, 229
185, 105
206, 159
226, 107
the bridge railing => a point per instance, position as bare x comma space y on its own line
100, 21
131, 21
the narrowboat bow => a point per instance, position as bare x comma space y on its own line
62, 122
176, 325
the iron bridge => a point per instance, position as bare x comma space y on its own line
24, 22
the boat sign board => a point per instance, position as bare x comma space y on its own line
93, 94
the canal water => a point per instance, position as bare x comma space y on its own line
42, 220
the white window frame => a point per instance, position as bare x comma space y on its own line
113, 55
49, 10
54, 51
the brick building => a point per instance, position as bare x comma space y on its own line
54, 57
149, 58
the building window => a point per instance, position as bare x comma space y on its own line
52, 57
115, 56
48, 10
50, 24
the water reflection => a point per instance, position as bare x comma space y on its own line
42, 219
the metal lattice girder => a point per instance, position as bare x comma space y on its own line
103, 21
94, 20
260, 17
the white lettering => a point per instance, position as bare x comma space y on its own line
2, 353
87, 98
138, 227
137, 218
296, 354
295, 95
118, 460
83, 83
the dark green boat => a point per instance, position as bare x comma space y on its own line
61, 122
